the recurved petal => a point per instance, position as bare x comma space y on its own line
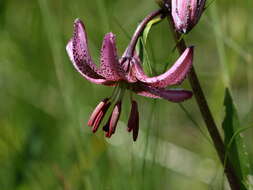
175, 75
171, 95
80, 45
85, 69
110, 67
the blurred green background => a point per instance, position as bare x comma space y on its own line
45, 103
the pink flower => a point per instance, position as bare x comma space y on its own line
125, 73
186, 13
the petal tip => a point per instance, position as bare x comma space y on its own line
181, 96
77, 21
79, 25
186, 94
110, 37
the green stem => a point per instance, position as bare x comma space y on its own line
212, 128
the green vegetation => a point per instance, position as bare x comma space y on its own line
45, 104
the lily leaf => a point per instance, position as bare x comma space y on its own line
139, 48
148, 27
141, 45
234, 141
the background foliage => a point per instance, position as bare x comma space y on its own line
44, 103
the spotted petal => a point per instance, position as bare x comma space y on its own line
110, 67
171, 95
175, 75
84, 69
80, 46
77, 49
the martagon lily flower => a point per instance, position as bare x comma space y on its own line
186, 13
124, 74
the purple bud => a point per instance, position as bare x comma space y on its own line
186, 13
133, 122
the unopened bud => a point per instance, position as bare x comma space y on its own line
186, 13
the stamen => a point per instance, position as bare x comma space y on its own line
96, 111
133, 122
100, 117
97, 122
113, 120
98, 114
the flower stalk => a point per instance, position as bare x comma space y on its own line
139, 30
212, 128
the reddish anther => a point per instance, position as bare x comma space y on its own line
114, 119
98, 114
96, 111
133, 121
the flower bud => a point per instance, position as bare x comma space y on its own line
186, 13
